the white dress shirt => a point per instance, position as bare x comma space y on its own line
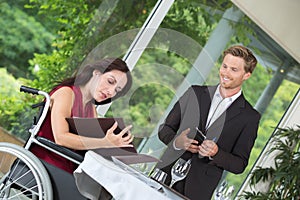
219, 105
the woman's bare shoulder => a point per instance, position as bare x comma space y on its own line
64, 90
63, 95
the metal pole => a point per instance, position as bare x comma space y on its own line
269, 92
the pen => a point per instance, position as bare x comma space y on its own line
199, 131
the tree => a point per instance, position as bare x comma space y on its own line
14, 113
80, 25
20, 37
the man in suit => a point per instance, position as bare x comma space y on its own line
225, 117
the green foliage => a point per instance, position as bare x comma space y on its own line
284, 177
152, 91
81, 29
242, 32
188, 20
80, 25
8, 96
20, 36
51, 70
70, 26
260, 75
14, 113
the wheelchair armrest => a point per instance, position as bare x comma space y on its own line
61, 149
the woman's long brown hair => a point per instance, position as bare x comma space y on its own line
104, 65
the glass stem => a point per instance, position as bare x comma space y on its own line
172, 182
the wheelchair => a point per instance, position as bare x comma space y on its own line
24, 176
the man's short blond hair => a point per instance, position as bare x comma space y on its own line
245, 54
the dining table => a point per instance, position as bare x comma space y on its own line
120, 180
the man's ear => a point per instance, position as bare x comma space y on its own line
247, 75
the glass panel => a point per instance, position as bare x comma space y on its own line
164, 67
114, 27
172, 61
168, 63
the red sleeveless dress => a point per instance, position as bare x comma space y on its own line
46, 131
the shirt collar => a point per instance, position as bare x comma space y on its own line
230, 99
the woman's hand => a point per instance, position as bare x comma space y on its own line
123, 139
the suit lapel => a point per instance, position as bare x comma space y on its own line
205, 102
235, 108
215, 130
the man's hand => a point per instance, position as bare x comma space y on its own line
183, 142
208, 148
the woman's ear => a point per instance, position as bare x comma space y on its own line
96, 72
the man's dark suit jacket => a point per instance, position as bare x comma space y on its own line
234, 131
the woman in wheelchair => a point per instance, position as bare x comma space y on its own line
98, 83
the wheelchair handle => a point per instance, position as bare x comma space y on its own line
34, 130
28, 90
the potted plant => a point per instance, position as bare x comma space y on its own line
283, 178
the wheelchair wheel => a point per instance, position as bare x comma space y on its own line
22, 175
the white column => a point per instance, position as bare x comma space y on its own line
146, 33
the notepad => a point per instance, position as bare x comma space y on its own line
97, 127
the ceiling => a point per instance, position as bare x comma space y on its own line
278, 18
272, 55
278, 30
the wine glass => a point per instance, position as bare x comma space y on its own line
159, 175
219, 194
179, 170
224, 192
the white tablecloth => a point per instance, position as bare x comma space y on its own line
96, 171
